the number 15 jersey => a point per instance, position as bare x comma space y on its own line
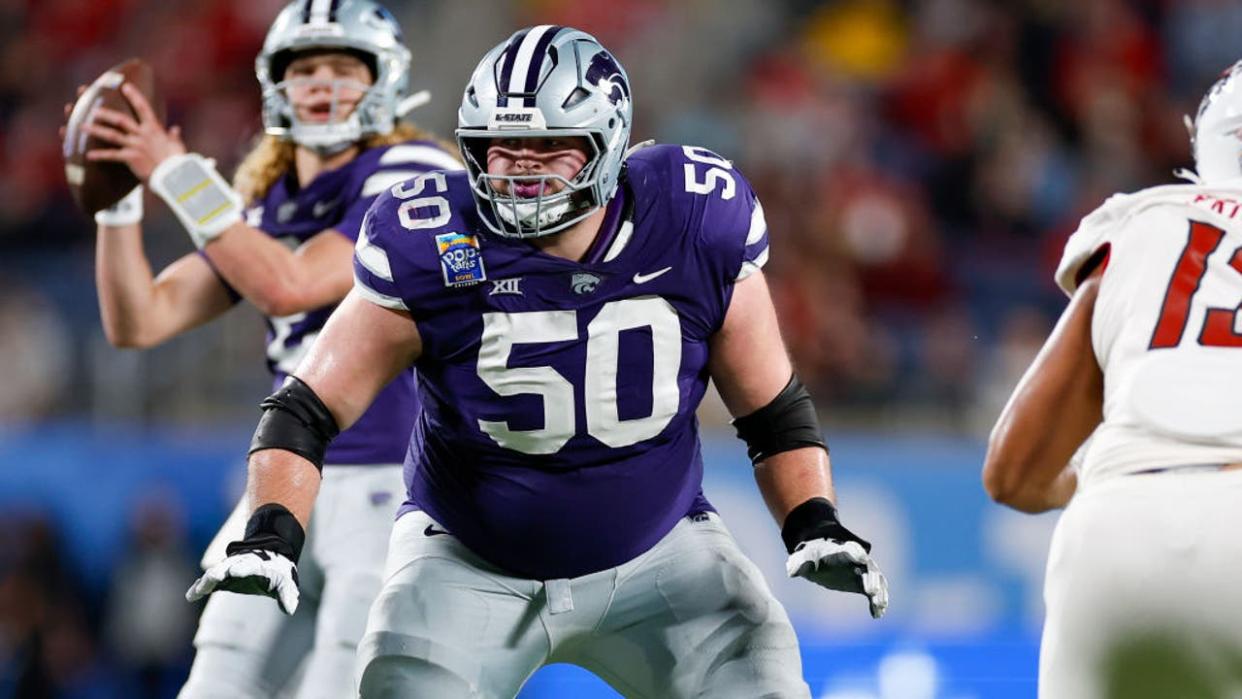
1166, 328
558, 434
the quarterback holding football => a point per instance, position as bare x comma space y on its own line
334, 75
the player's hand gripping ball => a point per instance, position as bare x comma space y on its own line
115, 136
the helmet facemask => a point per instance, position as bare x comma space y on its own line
532, 216
359, 28
338, 131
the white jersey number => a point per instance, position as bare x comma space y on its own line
285, 357
717, 172
503, 330
408, 211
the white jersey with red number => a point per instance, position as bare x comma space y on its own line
1167, 330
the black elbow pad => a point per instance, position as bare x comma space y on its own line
296, 420
788, 422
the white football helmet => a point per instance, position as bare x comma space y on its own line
1216, 133
360, 27
545, 81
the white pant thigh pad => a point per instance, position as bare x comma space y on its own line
446, 623
697, 599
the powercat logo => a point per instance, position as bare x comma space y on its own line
584, 282
517, 118
605, 74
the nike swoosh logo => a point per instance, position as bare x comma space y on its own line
644, 278
322, 207
432, 531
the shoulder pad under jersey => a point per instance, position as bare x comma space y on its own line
711, 198
1100, 227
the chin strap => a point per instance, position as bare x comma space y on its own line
1181, 172
404, 107
328, 150
1188, 175
533, 215
413, 102
637, 147
1184, 173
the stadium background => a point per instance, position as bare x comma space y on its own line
921, 164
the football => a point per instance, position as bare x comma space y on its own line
96, 185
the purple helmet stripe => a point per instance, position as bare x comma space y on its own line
319, 11
523, 58
536, 64
506, 68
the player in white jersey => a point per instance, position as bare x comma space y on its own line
1146, 362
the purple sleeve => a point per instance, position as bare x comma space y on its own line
392, 264
755, 247
351, 223
731, 229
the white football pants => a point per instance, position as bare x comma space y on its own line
248, 649
1144, 589
691, 617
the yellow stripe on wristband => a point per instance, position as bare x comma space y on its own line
215, 212
194, 190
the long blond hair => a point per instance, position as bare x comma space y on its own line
272, 157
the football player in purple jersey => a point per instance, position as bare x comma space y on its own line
566, 301
334, 75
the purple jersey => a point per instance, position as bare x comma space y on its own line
338, 199
558, 434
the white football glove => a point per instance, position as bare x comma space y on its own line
840, 565
251, 572
262, 563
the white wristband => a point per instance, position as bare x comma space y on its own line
126, 212
204, 203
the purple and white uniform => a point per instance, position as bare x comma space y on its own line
338, 200
246, 645
558, 434
558, 447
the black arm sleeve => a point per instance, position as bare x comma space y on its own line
788, 422
296, 420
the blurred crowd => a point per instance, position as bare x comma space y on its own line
63, 639
920, 163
